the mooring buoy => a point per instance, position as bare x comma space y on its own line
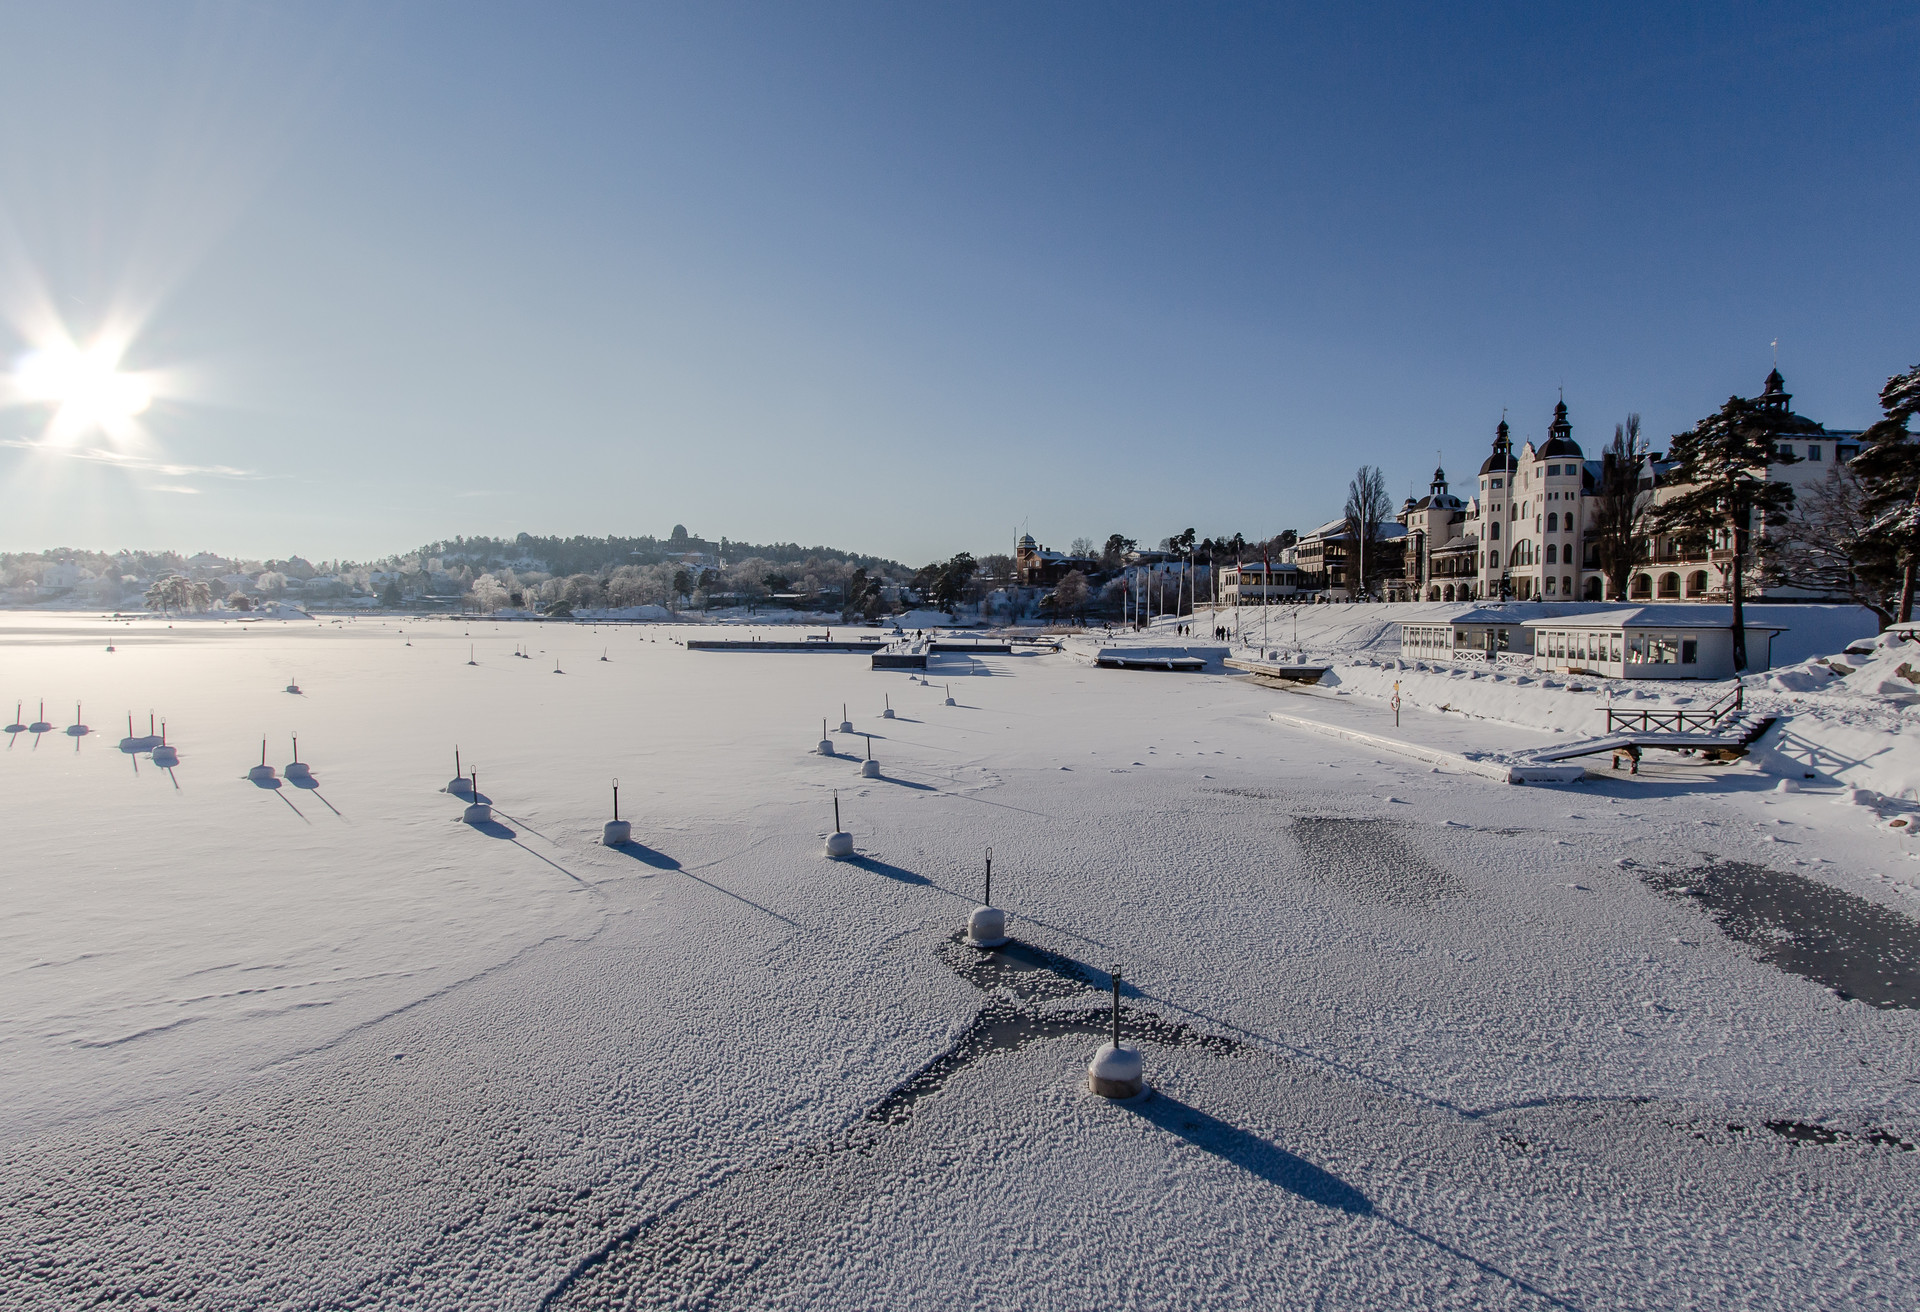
617, 831
1116, 1071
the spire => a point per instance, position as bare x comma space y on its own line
1560, 433
1776, 396
1502, 458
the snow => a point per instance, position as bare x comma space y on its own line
1415, 1038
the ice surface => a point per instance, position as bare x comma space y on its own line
328, 1046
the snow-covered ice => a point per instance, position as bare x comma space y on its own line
1412, 1037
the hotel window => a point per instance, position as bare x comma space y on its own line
1813, 451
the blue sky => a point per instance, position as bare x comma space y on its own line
906, 278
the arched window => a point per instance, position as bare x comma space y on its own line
1493, 531
1549, 585
1642, 587
1593, 588
1566, 586
1669, 586
1449, 592
1552, 559
1697, 583
1553, 522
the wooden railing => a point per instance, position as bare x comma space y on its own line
1677, 720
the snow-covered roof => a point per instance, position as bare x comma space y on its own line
1678, 616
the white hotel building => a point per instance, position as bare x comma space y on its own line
1524, 534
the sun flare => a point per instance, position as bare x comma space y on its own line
86, 389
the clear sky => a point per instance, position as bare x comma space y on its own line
906, 277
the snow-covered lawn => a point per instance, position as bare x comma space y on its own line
1414, 1038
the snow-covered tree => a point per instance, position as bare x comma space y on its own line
1889, 473
489, 593
1829, 547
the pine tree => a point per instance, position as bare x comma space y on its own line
1889, 472
1719, 483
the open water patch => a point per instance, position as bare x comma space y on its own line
1857, 948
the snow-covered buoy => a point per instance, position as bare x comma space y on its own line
1786, 786
826, 743
165, 754
846, 725
987, 925
293, 687
870, 768
458, 784
949, 688
617, 831
839, 842
477, 812
887, 714
262, 772
297, 768
1116, 1071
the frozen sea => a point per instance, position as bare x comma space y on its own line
1413, 1038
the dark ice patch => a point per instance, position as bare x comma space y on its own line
1371, 862
1857, 948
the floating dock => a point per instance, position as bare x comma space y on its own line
1277, 672
734, 644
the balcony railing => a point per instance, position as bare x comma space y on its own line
1675, 720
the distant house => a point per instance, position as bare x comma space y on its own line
1330, 559
1256, 582
1036, 567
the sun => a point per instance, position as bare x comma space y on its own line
85, 388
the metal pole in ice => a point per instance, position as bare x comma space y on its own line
839, 842
846, 725
1116, 1072
826, 743
987, 926
617, 831
477, 812
296, 768
262, 772
870, 768
887, 714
